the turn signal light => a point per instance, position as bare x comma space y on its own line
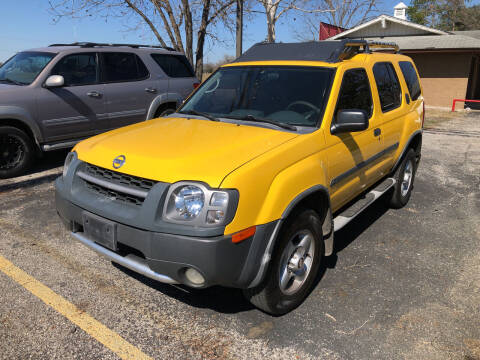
244, 234
195, 85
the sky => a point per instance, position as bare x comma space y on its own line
28, 24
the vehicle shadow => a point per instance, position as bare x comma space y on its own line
231, 301
217, 298
50, 160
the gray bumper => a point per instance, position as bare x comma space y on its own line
164, 257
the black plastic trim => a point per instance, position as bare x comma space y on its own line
362, 164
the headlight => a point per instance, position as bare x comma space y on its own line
68, 160
189, 201
196, 204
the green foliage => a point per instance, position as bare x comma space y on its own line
447, 15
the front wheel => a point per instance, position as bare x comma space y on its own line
294, 266
16, 152
404, 177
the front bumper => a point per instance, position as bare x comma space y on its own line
165, 257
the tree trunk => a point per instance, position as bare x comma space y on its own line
202, 32
188, 31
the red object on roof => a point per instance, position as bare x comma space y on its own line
329, 30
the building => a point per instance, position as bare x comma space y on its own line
448, 62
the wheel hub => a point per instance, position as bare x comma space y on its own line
297, 261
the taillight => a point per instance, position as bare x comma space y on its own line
423, 114
195, 85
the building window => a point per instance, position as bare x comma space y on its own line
389, 90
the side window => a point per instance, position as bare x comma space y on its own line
122, 66
78, 69
389, 90
355, 92
174, 65
411, 79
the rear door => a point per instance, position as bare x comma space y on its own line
128, 88
352, 163
179, 71
74, 110
393, 109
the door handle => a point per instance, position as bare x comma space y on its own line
151, 90
94, 94
377, 132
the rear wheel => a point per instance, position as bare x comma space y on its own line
16, 152
404, 176
294, 266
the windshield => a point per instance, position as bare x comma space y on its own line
284, 94
24, 67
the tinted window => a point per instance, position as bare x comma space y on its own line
121, 66
294, 95
78, 69
411, 79
24, 67
388, 86
355, 92
174, 65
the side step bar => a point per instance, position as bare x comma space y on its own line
350, 213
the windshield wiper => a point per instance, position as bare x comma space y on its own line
10, 81
263, 120
199, 113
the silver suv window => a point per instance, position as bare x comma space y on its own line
78, 69
122, 66
175, 66
24, 67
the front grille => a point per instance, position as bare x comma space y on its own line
119, 178
114, 195
114, 185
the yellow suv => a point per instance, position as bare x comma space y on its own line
246, 183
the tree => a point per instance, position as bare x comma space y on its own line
176, 20
274, 9
345, 14
424, 12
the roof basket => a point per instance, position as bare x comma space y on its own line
93, 44
331, 51
353, 47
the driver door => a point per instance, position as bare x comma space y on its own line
73, 110
352, 163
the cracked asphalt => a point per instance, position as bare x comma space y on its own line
403, 284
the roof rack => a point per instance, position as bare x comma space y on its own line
352, 47
331, 51
93, 44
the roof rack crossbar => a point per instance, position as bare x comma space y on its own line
352, 47
93, 44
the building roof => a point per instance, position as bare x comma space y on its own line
380, 26
472, 33
400, 5
429, 42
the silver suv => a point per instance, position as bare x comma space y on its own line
53, 97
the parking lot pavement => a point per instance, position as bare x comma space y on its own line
404, 284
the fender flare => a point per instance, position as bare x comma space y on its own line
327, 230
19, 114
405, 149
162, 99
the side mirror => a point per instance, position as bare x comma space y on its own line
54, 81
350, 121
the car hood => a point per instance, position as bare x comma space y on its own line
176, 149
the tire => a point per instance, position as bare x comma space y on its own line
270, 296
16, 152
164, 112
404, 176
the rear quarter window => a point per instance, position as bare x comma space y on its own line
411, 79
176, 66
